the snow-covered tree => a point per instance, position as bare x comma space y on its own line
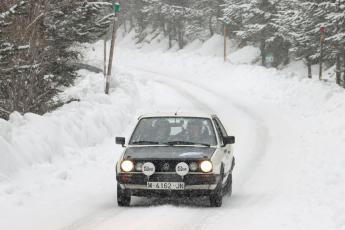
335, 22
234, 15
301, 22
256, 22
11, 66
206, 17
180, 20
35, 50
66, 24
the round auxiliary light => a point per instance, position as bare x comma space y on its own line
127, 165
193, 166
139, 166
182, 169
148, 169
206, 166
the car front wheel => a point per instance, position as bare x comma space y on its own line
123, 197
228, 187
216, 198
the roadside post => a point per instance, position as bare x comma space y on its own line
322, 41
117, 9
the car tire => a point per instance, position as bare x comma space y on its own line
123, 197
216, 198
227, 190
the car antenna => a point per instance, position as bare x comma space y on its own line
177, 111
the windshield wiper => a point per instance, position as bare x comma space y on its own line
145, 143
186, 143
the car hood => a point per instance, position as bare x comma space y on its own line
169, 152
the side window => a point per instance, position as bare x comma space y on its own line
218, 131
222, 129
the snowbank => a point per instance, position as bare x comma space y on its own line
29, 139
245, 55
213, 46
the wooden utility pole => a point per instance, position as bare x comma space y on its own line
225, 41
112, 47
322, 41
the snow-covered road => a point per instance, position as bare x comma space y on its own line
176, 214
289, 159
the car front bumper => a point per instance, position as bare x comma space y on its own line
197, 184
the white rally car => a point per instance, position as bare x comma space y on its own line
176, 155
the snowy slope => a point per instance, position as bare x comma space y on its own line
290, 139
32, 139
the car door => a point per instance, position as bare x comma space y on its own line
226, 149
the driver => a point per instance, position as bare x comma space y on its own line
162, 130
194, 131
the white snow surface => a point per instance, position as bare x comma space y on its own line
245, 55
29, 139
57, 170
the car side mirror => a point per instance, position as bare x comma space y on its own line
229, 140
120, 141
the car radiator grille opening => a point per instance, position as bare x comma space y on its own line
167, 166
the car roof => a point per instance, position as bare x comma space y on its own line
178, 114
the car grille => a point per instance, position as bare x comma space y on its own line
166, 165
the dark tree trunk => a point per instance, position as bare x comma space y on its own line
131, 22
263, 52
169, 35
344, 69
180, 35
338, 69
163, 28
210, 26
180, 40
309, 66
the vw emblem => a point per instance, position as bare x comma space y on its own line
166, 166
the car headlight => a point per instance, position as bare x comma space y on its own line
206, 166
127, 165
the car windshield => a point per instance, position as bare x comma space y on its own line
174, 131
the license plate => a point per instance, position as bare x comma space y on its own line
166, 185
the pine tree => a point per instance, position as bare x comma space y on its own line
234, 16
36, 56
258, 25
335, 22
64, 26
204, 18
12, 69
302, 24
